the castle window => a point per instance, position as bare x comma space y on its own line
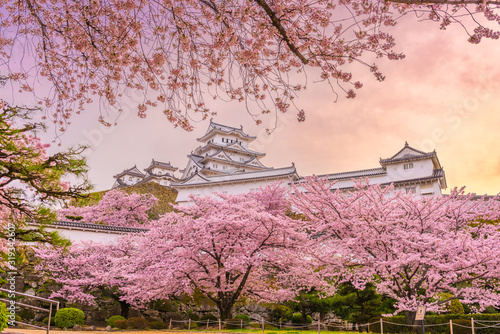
412, 190
130, 178
408, 166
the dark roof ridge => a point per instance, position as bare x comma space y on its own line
99, 226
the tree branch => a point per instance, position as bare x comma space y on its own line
277, 24
448, 2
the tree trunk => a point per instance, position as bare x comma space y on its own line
225, 312
410, 320
125, 308
304, 315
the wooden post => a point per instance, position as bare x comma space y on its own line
262, 325
381, 326
241, 323
451, 326
50, 314
319, 326
170, 324
368, 328
220, 326
472, 323
189, 324
280, 323
207, 322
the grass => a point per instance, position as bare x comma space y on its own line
268, 331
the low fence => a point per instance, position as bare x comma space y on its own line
382, 326
17, 305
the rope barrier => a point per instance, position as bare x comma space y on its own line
329, 326
486, 326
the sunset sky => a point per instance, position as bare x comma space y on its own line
445, 96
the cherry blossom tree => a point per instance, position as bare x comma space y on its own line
177, 54
84, 272
224, 246
412, 249
115, 208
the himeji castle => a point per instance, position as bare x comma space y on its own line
225, 162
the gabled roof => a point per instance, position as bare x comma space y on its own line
236, 147
118, 183
225, 129
152, 177
270, 173
408, 153
255, 162
133, 171
193, 179
165, 165
226, 158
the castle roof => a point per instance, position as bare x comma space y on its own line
165, 165
133, 171
94, 227
437, 175
271, 173
214, 128
236, 147
221, 156
408, 153
356, 174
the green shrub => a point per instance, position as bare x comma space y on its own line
137, 323
281, 312
462, 330
245, 317
297, 318
158, 325
112, 319
46, 321
4, 316
69, 317
122, 324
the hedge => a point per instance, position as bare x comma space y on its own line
112, 319
69, 317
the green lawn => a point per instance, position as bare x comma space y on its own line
267, 331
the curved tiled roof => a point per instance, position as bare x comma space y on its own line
436, 175
231, 148
356, 173
97, 227
225, 129
263, 174
231, 160
131, 171
155, 163
417, 156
